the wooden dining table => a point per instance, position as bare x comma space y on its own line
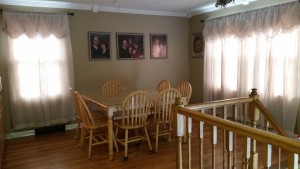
110, 106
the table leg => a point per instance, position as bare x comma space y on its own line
110, 138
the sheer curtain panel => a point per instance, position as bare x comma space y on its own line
40, 68
256, 49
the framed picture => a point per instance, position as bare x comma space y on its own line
130, 46
99, 45
197, 45
158, 48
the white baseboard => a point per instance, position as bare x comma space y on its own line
27, 133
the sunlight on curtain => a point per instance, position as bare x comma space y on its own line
266, 58
37, 58
40, 69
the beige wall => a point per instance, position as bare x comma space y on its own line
134, 74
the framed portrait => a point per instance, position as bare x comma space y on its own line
197, 45
158, 46
130, 46
99, 46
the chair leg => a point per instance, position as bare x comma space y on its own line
90, 143
115, 143
148, 140
170, 129
156, 138
117, 132
77, 130
81, 144
126, 146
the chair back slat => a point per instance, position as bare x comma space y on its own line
135, 109
112, 89
76, 106
163, 104
185, 89
163, 85
86, 115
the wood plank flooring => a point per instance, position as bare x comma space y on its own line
61, 151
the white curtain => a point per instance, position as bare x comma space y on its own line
256, 49
40, 69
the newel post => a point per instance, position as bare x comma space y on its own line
178, 121
254, 117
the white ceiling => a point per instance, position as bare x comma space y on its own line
182, 8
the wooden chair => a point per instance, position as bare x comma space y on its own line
163, 114
93, 128
78, 116
112, 89
162, 85
135, 110
185, 89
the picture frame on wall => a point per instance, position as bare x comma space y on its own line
99, 45
158, 46
130, 46
198, 45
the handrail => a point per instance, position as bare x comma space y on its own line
288, 144
225, 102
219, 103
270, 118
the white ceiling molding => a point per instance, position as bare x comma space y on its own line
86, 6
47, 4
137, 11
95, 6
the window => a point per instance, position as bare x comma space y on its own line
37, 62
243, 51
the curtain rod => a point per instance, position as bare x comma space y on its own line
69, 13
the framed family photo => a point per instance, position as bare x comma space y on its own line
158, 48
130, 46
99, 46
197, 45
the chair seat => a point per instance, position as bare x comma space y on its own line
129, 127
161, 121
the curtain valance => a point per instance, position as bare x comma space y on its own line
35, 24
269, 21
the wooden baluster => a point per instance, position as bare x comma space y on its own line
214, 141
267, 156
279, 158
178, 122
244, 113
247, 143
230, 148
179, 153
189, 142
234, 115
224, 109
254, 117
267, 149
293, 161
201, 134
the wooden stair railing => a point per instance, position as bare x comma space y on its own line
231, 128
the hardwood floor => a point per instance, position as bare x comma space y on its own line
61, 151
